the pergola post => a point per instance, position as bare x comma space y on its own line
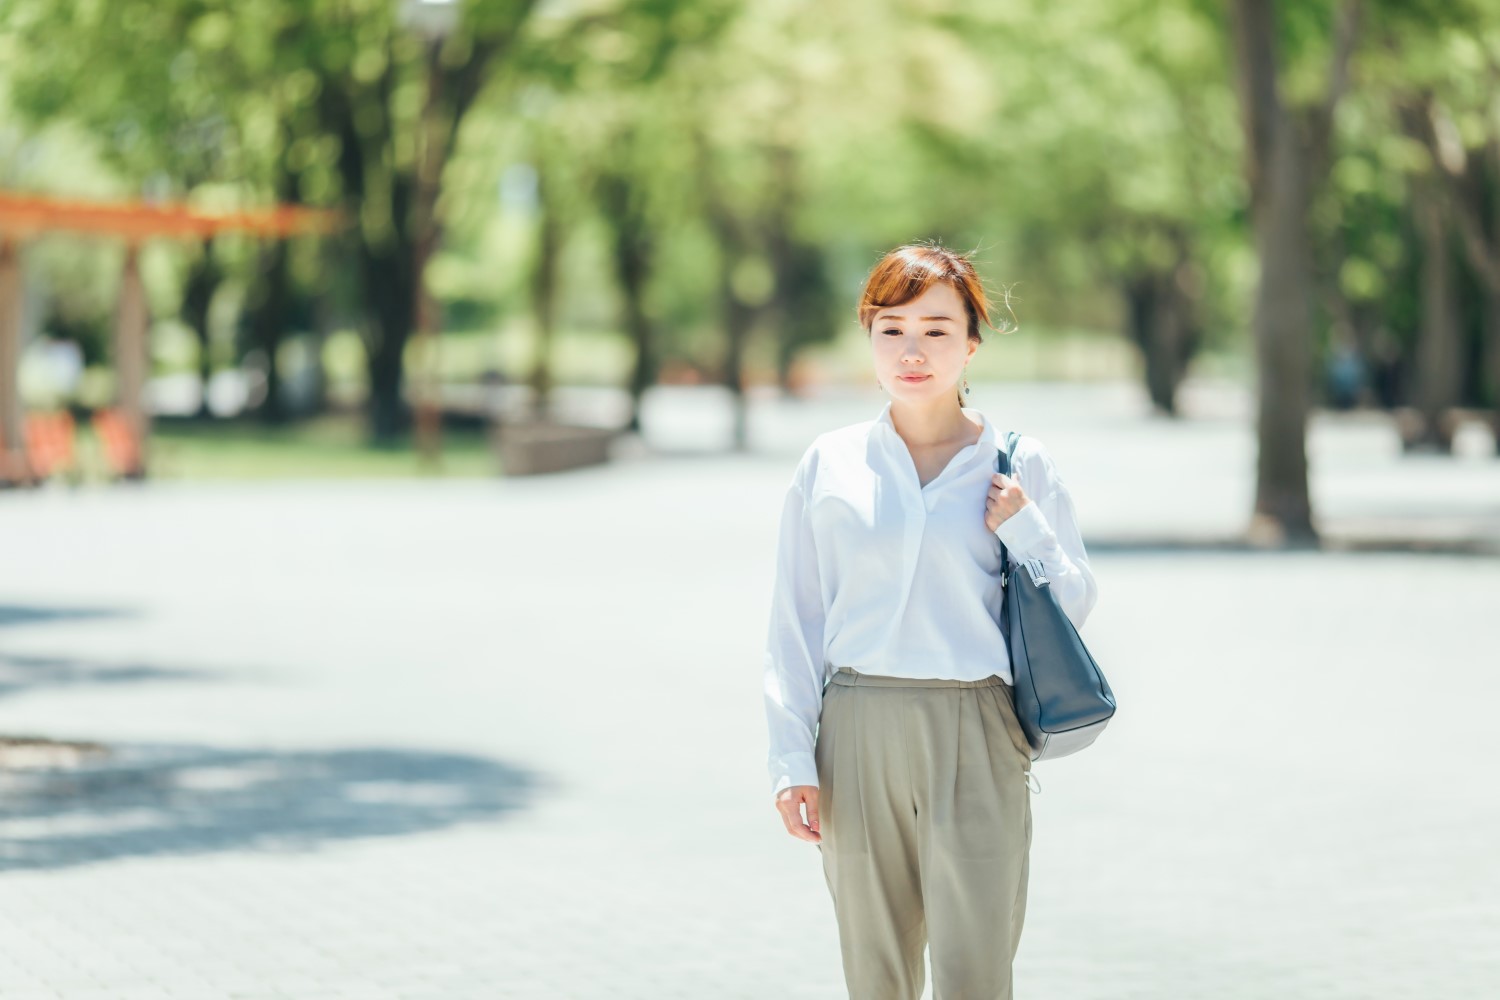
132, 357
13, 466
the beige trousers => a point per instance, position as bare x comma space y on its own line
925, 817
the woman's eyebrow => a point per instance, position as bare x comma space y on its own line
920, 319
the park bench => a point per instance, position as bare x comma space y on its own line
530, 447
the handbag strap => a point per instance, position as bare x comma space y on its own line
1004, 461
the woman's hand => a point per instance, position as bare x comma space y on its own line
1004, 499
788, 804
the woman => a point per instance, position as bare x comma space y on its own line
910, 770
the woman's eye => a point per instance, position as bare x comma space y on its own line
938, 332
892, 330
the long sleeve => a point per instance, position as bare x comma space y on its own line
1046, 528
794, 667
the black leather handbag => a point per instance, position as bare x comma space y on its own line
1062, 699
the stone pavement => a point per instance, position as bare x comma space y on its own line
504, 738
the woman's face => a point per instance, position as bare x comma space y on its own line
927, 336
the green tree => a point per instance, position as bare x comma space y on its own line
330, 103
1441, 76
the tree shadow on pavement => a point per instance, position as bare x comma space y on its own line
15, 614
143, 800
20, 672
24, 673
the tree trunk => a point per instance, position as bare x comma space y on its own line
1490, 348
426, 234
1159, 319
804, 307
632, 254
739, 320
544, 295
13, 465
1468, 180
388, 290
1141, 308
269, 325
740, 240
1439, 371
1283, 335
197, 298
1286, 154
803, 304
1492, 360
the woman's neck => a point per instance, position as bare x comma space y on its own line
934, 424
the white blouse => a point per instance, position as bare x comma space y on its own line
879, 573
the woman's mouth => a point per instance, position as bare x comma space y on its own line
913, 378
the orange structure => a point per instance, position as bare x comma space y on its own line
24, 217
49, 444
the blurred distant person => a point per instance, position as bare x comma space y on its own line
888, 687
1346, 377
1388, 370
55, 368
65, 361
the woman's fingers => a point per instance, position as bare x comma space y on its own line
1008, 486
789, 805
1004, 499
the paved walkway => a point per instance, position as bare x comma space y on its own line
504, 739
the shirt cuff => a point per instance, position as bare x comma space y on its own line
1025, 531
790, 769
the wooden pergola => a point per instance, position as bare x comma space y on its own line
24, 217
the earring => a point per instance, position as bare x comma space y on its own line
877, 382
966, 380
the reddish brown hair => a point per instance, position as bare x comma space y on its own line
908, 271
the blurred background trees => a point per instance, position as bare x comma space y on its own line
635, 192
